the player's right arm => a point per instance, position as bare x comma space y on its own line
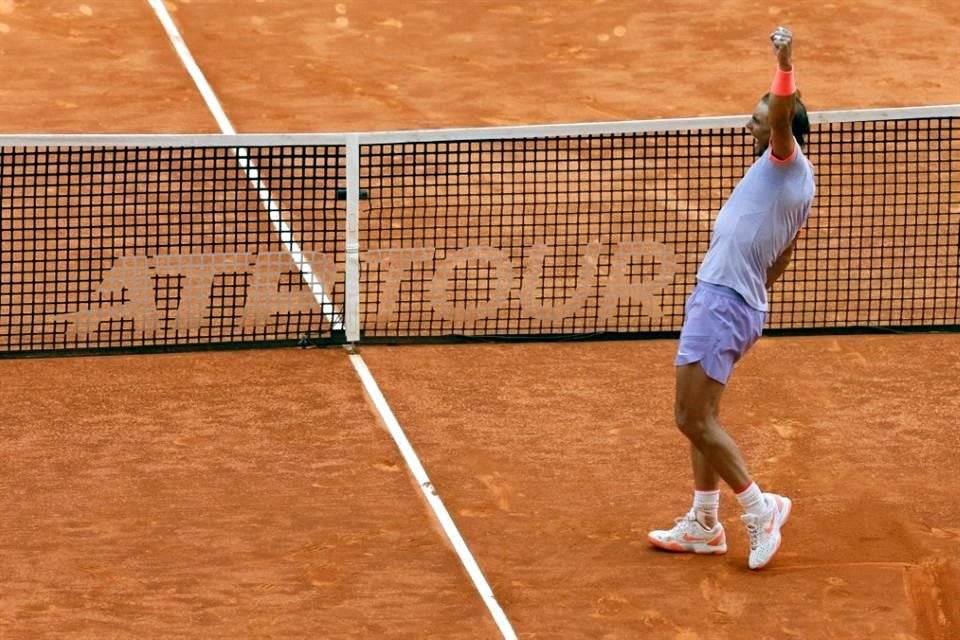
783, 94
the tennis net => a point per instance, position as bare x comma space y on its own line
122, 242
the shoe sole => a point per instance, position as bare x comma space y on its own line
699, 549
783, 516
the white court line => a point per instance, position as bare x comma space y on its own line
369, 383
413, 462
253, 175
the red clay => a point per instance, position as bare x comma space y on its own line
253, 494
557, 460
99, 66
218, 495
287, 65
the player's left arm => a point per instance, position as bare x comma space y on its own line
780, 264
783, 95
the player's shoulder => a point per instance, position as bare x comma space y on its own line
795, 159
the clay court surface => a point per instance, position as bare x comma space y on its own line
256, 494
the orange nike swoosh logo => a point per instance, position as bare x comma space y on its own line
769, 527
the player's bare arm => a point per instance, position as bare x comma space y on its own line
782, 99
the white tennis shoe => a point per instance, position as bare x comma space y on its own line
689, 536
764, 531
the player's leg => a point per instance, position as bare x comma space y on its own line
718, 330
699, 530
705, 477
706, 484
706, 494
696, 408
698, 400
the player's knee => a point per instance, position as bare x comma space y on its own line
692, 422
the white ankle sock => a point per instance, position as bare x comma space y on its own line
706, 507
752, 500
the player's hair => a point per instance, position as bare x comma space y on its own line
800, 123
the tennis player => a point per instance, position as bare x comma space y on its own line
753, 239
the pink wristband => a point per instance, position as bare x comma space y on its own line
783, 83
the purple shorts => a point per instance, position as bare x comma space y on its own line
719, 328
